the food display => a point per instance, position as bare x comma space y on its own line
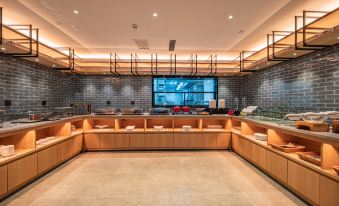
312, 157
289, 147
186, 127
7, 150
158, 128
100, 126
130, 128
260, 136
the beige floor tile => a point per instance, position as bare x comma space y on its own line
155, 178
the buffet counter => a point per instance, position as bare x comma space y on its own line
40, 147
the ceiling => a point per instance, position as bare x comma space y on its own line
199, 26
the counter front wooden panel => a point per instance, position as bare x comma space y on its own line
3, 180
107, 141
137, 140
92, 141
259, 156
21, 171
195, 140
304, 181
47, 158
180, 140
329, 192
276, 165
210, 140
121, 141
223, 140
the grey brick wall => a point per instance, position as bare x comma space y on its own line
120, 91
308, 83
27, 85
230, 88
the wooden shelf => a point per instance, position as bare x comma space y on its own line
192, 130
136, 130
165, 130
18, 154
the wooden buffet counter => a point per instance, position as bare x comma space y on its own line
318, 185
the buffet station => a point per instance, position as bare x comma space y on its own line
301, 151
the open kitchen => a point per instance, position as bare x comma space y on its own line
187, 102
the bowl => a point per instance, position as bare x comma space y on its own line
186, 127
130, 128
158, 128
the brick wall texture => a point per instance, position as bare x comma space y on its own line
308, 83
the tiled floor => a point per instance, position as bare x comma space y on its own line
155, 178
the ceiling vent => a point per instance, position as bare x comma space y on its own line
142, 43
171, 46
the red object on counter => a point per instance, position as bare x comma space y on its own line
231, 112
186, 109
176, 109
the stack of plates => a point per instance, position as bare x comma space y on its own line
44, 140
7, 150
260, 136
186, 127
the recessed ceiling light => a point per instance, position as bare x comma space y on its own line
53, 65
36, 60
3, 48
155, 14
76, 12
295, 54
338, 37
230, 17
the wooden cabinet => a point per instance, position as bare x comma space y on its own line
223, 140
106, 141
195, 140
165, 140
70, 148
276, 165
329, 192
304, 180
92, 141
3, 180
77, 144
246, 148
47, 158
136, 140
180, 140
259, 156
152, 140
210, 140
121, 141
21, 171
236, 143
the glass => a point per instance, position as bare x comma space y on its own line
184, 85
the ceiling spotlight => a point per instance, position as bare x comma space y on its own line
76, 12
3, 48
295, 54
338, 37
36, 59
155, 14
230, 17
53, 65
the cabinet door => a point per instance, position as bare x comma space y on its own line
152, 140
259, 156
329, 192
246, 148
223, 140
106, 141
276, 165
210, 140
77, 147
304, 180
195, 140
47, 158
3, 180
21, 171
180, 140
236, 143
121, 141
92, 141
166, 140
136, 140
